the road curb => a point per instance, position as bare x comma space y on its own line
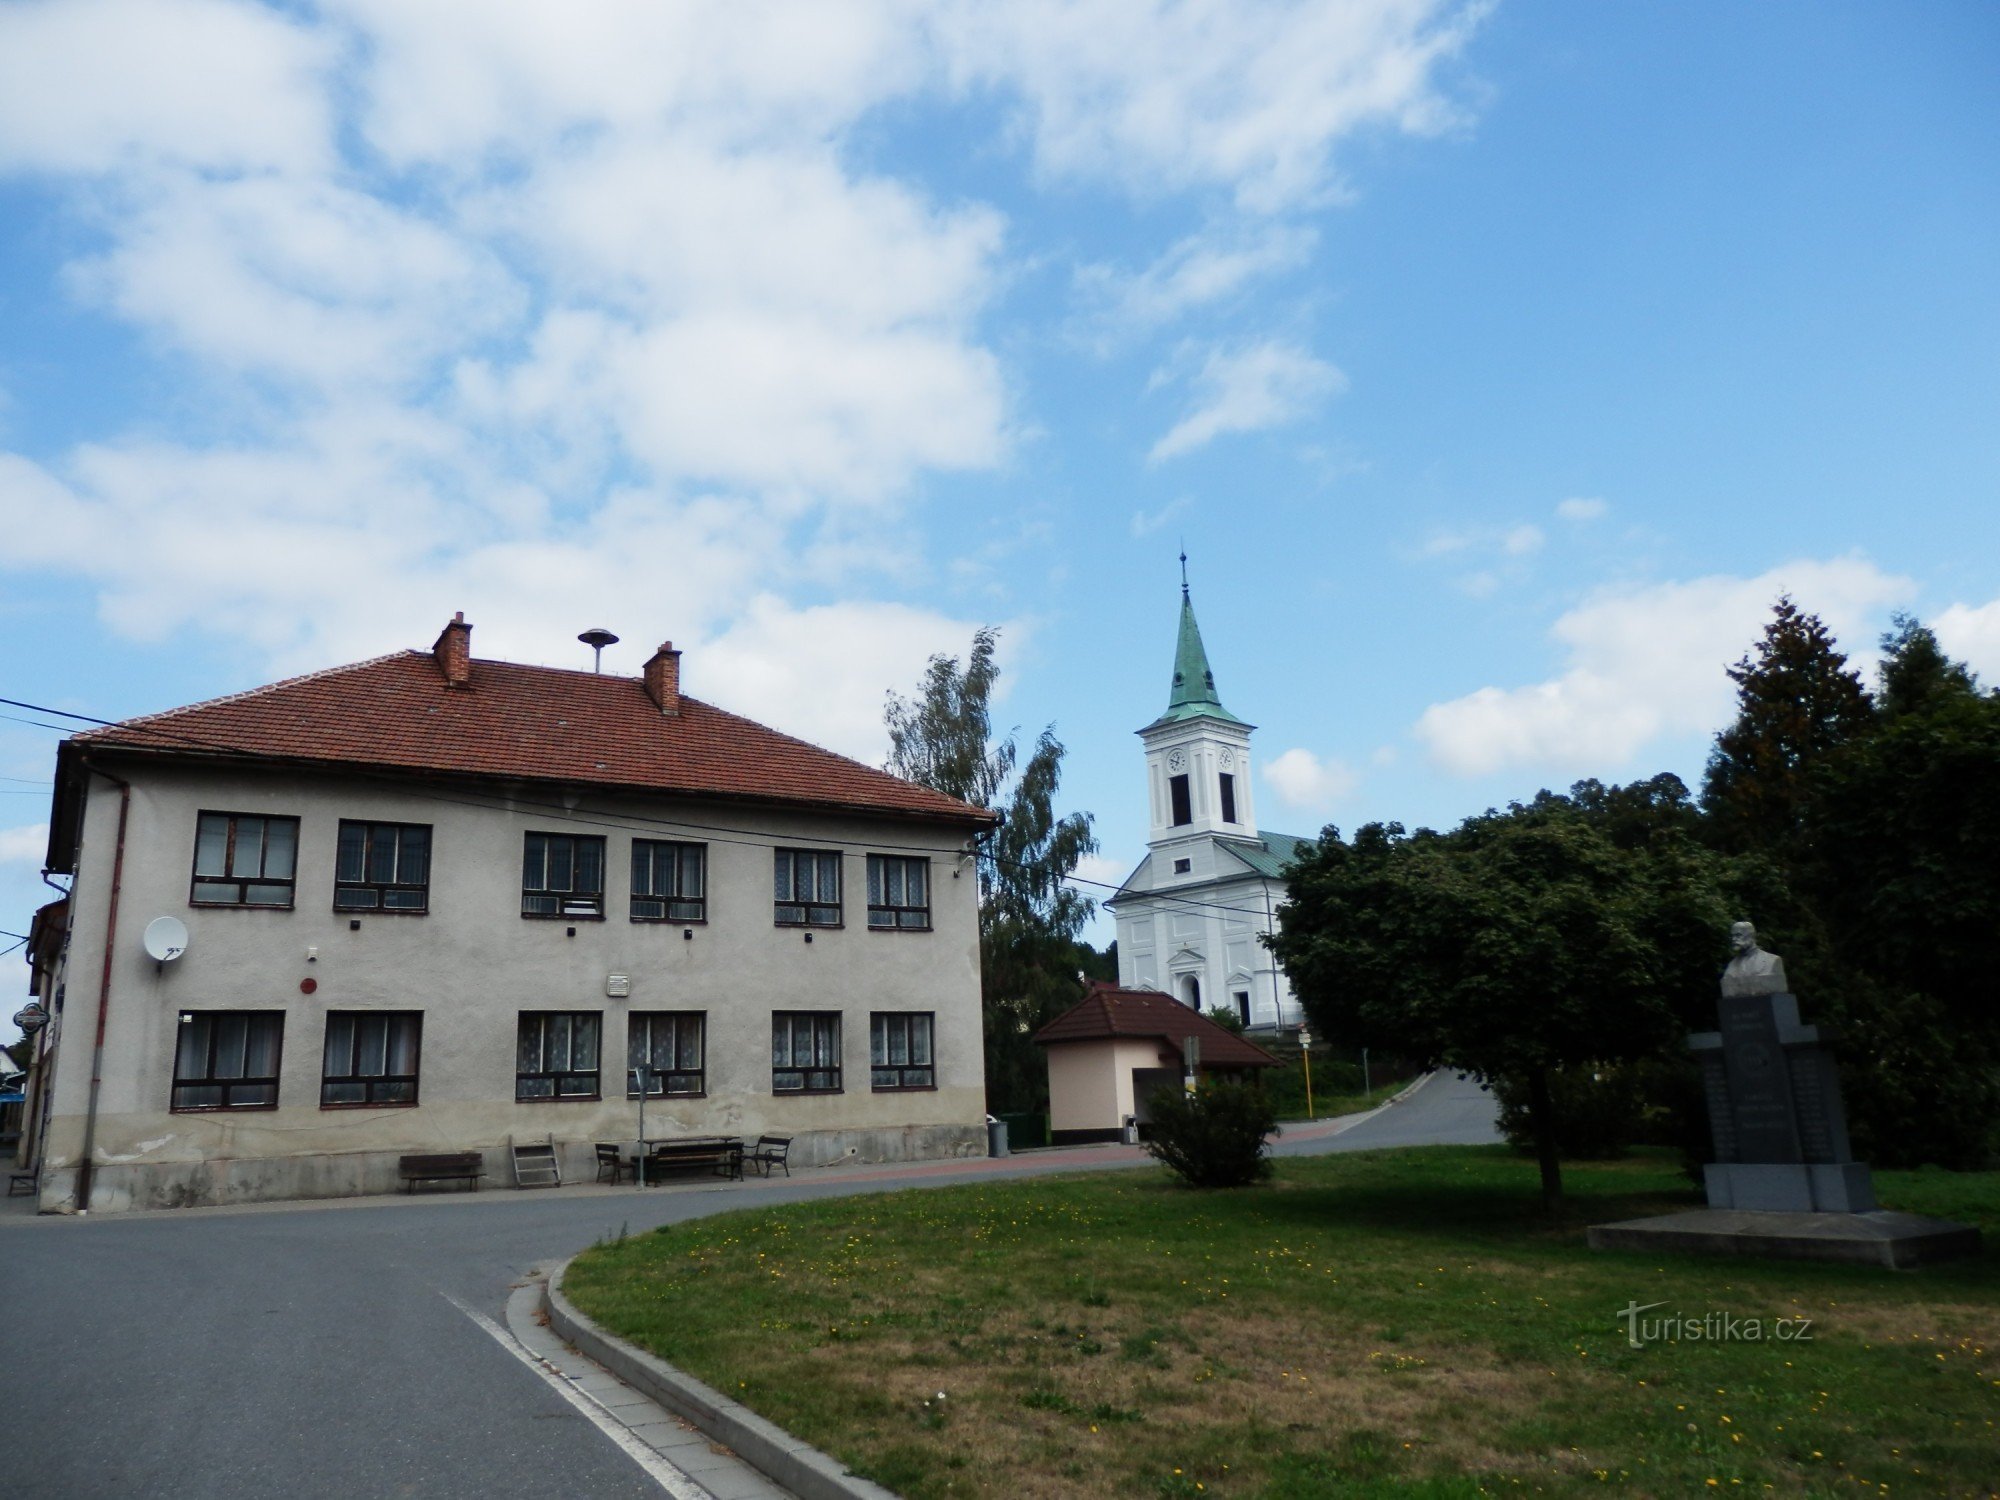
765, 1446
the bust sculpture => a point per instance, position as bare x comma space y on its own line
1752, 971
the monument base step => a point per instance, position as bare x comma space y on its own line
1880, 1238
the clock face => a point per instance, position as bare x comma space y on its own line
1228, 761
1177, 760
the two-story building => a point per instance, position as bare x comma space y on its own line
436, 903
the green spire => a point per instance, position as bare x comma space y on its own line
1193, 695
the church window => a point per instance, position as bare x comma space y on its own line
1177, 788
1183, 866
1228, 798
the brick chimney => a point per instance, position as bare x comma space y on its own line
663, 679
454, 652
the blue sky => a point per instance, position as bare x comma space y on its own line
1499, 365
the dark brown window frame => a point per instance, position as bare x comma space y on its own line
209, 1080
699, 1074
792, 1017
903, 1069
1180, 798
781, 903
564, 898
1228, 785
555, 1094
381, 888
370, 1081
879, 864
242, 882
669, 900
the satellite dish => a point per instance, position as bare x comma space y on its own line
166, 938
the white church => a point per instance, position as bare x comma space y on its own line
1189, 917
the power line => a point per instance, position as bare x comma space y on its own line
621, 822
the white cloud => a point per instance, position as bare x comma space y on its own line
1161, 95
1144, 524
1643, 664
1581, 508
1971, 632
103, 85
1195, 272
1302, 780
1105, 871
26, 845
1249, 389
1521, 541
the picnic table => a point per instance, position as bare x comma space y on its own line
720, 1154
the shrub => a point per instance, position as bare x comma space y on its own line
1215, 1137
1598, 1109
1226, 1017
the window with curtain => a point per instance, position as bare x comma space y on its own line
556, 1055
899, 893
370, 1057
899, 1051
807, 887
227, 1059
669, 881
244, 859
805, 1052
671, 1043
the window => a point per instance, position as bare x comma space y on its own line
382, 867
228, 1059
562, 875
805, 1052
670, 1043
1228, 798
807, 888
899, 892
242, 859
1177, 788
669, 881
1183, 866
557, 1055
1242, 998
371, 1057
899, 1051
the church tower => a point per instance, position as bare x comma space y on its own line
1191, 917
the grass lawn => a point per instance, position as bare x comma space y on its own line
1391, 1322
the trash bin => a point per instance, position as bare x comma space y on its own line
1131, 1130
996, 1137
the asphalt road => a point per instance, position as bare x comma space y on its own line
315, 1350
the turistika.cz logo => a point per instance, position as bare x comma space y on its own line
1710, 1327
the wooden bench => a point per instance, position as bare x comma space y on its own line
442, 1166
720, 1155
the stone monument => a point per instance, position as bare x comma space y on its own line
1773, 1098
1784, 1181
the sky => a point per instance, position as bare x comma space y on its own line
1497, 365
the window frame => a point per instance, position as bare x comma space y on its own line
564, 897
699, 1072
879, 867
1227, 784
833, 1021
668, 900
882, 1021
381, 888
371, 1081
210, 1079
196, 879
556, 1095
1180, 801
784, 866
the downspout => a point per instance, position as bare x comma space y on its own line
84, 1172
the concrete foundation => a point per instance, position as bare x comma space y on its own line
1881, 1237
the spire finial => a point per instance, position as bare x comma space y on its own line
1184, 587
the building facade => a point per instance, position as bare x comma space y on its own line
1191, 915
433, 903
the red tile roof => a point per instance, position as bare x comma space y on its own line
1108, 1011
530, 723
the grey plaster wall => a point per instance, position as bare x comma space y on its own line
471, 965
